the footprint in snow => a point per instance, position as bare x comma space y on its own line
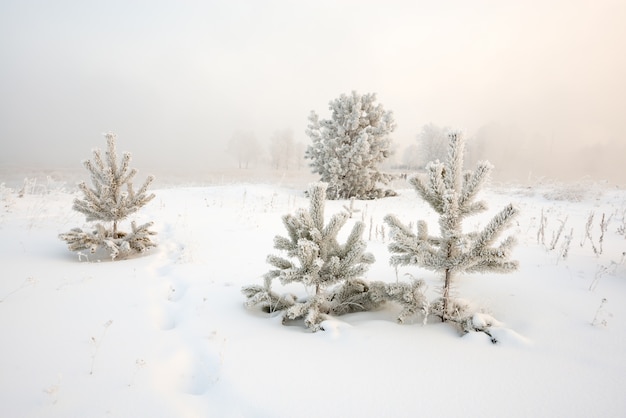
190, 368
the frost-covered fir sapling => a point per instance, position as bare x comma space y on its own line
111, 199
347, 149
332, 271
451, 193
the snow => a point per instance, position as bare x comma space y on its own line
167, 334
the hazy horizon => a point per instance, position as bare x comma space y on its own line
176, 80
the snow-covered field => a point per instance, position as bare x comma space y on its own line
167, 335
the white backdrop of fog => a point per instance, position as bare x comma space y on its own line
542, 80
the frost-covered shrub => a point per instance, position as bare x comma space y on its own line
348, 148
333, 271
451, 193
111, 199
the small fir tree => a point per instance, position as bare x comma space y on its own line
348, 148
111, 199
317, 260
451, 193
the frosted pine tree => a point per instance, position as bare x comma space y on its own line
452, 193
348, 148
320, 261
332, 271
111, 199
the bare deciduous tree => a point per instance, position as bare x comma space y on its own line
244, 147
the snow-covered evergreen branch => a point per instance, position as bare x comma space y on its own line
123, 244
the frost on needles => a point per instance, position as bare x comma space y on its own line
452, 193
111, 199
330, 270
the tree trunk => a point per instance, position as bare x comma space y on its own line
446, 295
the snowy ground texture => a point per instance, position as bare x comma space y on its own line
167, 335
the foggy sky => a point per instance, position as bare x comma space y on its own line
176, 79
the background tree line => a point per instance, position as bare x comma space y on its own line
281, 152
